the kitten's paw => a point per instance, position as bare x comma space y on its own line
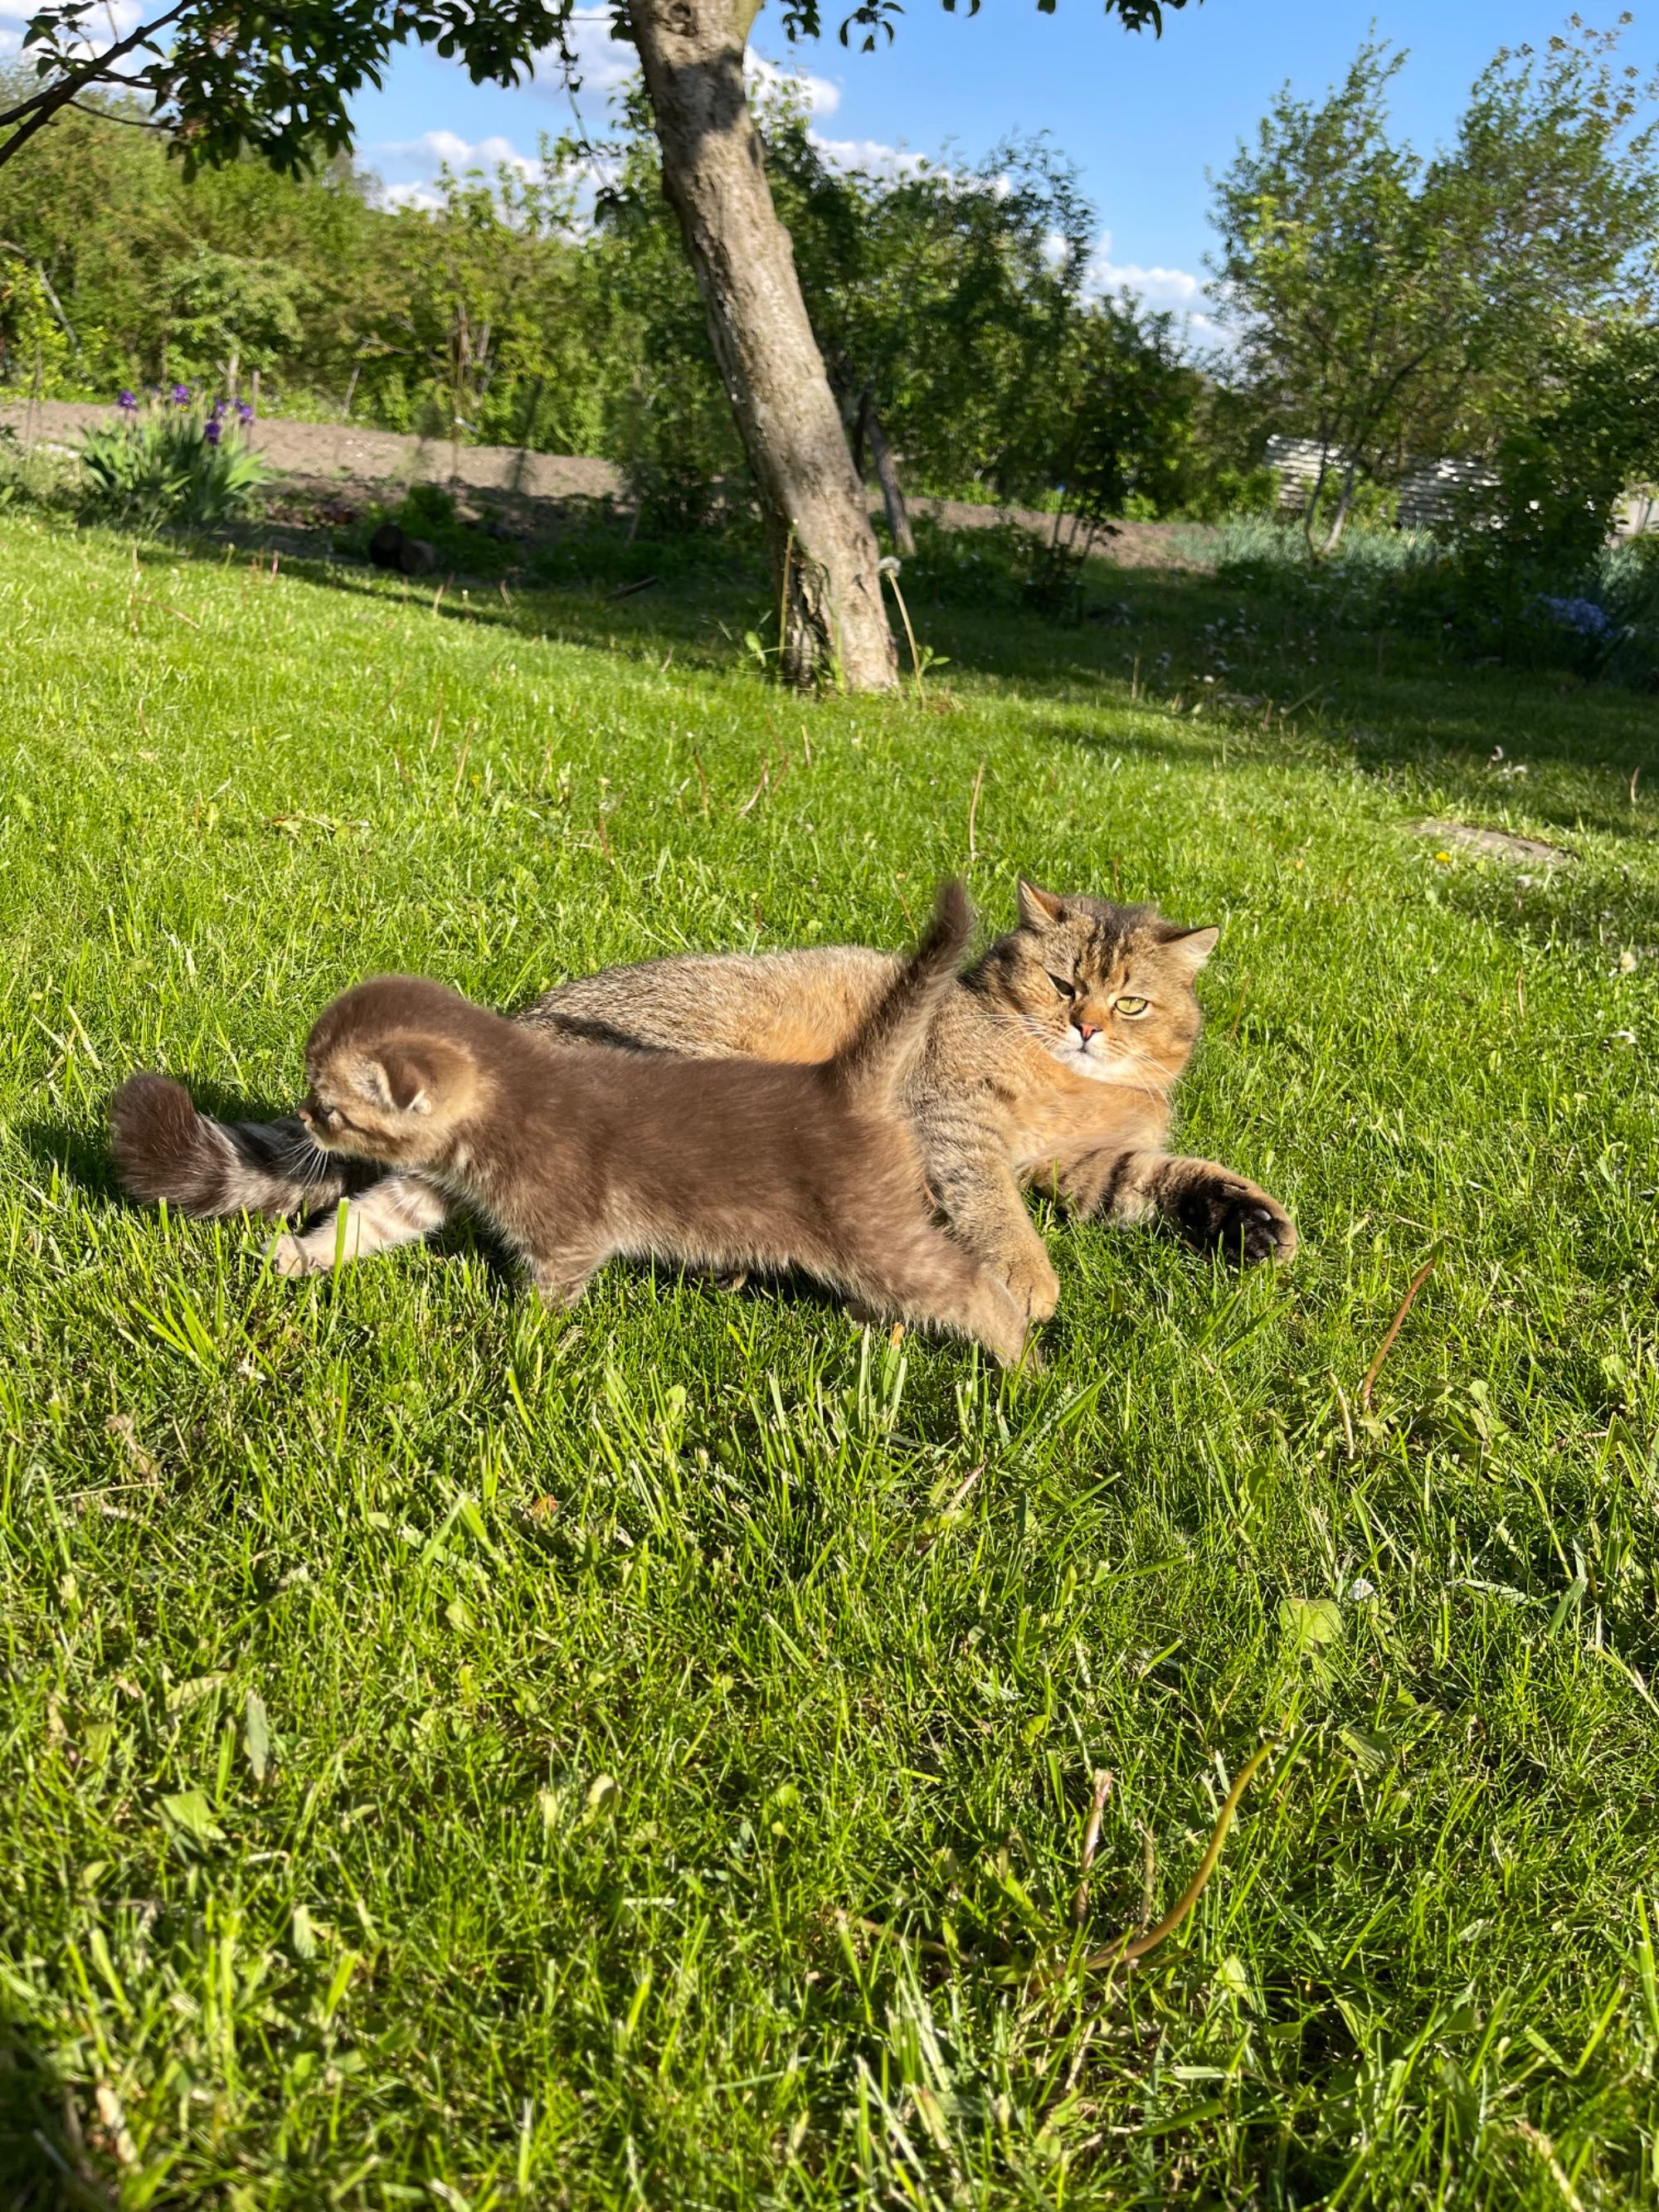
1032, 1285
290, 1257
1226, 1214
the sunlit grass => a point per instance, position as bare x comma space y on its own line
451, 1752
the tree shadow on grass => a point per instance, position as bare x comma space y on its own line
45, 2165
1332, 692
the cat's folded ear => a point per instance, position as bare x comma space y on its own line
413, 1075
1188, 949
1039, 909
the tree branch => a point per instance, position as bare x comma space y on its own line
44, 105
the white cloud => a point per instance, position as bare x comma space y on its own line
112, 21
817, 95
436, 150
870, 154
602, 62
412, 195
1155, 287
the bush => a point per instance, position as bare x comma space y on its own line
174, 460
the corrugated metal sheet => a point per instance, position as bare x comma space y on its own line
1428, 495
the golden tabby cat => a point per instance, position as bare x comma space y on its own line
1051, 1064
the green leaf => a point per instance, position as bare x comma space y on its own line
1312, 1621
256, 1735
190, 1814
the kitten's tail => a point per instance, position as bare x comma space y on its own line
165, 1148
871, 1067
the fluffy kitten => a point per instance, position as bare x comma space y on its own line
1051, 1064
575, 1158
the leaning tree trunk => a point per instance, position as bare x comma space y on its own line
824, 554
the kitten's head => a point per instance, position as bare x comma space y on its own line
393, 1072
1108, 989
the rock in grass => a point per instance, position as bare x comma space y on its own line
392, 547
386, 547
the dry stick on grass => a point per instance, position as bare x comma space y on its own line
910, 636
1148, 1877
1091, 1845
1128, 1948
972, 809
1383, 1349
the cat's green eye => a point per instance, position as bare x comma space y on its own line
1130, 1005
1065, 988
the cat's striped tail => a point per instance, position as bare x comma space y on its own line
164, 1149
874, 1063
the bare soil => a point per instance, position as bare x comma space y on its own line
339, 468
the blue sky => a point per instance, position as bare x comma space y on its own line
1144, 118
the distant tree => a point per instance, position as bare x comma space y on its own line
1396, 310
221, 78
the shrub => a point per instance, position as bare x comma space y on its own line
174, 460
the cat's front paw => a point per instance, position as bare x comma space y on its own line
290, 1257
1226, 1214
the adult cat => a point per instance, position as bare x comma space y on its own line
1052, 1063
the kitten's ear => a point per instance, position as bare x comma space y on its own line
1190, 950
407, 1078
1039, 909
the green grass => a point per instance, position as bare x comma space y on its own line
449, 1752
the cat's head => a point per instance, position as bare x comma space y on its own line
1107, 989
393, 1071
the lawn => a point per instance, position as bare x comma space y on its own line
457, 1755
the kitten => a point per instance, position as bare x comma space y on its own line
1042, 1069
575, 1158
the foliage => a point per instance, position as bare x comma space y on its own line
1396, 310
1121, 412
455, 1752
282, 85
226, 311
949, 297
174, 459
34, 345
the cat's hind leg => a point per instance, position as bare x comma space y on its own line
563, 1273
396, 1211
932, 1281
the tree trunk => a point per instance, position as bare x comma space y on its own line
898, 519
824, 551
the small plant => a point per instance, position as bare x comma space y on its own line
174, 459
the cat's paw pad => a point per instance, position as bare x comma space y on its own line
1235, 1218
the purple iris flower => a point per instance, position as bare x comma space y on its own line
127, 403
181, 395
244, 412
213, 430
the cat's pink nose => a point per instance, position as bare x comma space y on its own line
1086, 1029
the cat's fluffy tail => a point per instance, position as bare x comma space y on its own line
165, 1148
871, 1067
